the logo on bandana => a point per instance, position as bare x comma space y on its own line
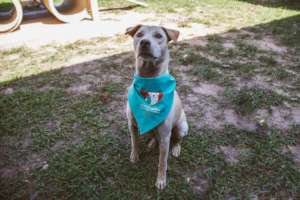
151, 98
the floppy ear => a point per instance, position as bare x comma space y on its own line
132, 30
172, 34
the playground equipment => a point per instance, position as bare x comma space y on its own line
67, 11
12, 18
73, 10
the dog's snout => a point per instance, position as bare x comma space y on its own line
145, 43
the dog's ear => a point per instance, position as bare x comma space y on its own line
132, 30
171, 34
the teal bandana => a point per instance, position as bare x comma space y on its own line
150, 100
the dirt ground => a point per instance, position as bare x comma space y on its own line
42, 31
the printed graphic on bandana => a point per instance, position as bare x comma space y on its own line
151, 98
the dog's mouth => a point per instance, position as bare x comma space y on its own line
147, 55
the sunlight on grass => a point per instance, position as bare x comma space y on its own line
221, 14
224, 13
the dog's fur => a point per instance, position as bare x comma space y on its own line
152, 59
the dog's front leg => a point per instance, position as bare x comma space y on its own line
164, 143
134, 155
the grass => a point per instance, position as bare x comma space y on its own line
280, 74
101, 169
245, 70
63, 131
102, 176
269, 60
222, 12
247, 100
5, 5
206, 73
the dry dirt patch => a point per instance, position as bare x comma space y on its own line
79, 88
208, 89
279, 117
231, 154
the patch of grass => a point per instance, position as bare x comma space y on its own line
215, 47
245, 70
214, 38
203, 20
192, 56
23, 61
5, 5
13, 188
287, 31
268, 60
228, 14
229, 53
113, 87
21, 52
266, 160
261, 152
23, 109
90, 113
183, 24
205, 72
188, 57
247, 100
280, 73
202, 67
241, 51
102, 170
113, 4
215, 44
184, 89
43, 137
245, 49
170, 7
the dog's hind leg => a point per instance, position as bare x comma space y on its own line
179, 131
151, 144
152, 140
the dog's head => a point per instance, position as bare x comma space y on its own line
151, 42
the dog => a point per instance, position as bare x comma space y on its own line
152, 60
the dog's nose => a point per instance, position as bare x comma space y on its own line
145, 43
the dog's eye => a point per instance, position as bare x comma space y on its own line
158, 35
140, 34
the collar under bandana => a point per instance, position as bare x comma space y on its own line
150, 100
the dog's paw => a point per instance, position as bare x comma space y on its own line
176, 150
161, 183
134, 157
